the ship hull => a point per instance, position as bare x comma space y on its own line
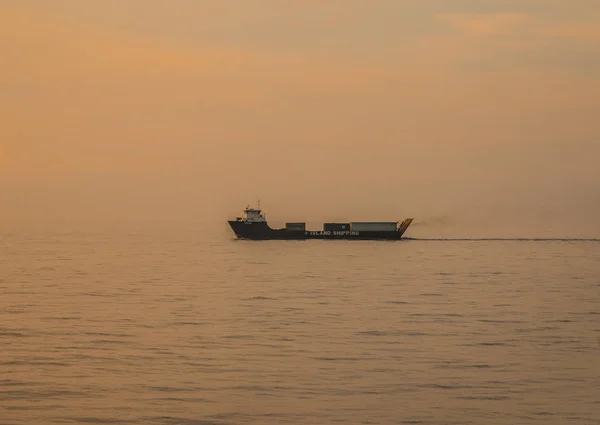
262, 231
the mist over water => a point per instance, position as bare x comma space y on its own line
174, 323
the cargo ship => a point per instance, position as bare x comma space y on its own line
253, 225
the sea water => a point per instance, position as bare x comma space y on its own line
172, 324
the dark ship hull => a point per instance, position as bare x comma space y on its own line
262, 231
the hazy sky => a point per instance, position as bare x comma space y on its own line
338, 109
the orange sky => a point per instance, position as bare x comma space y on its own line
321, 108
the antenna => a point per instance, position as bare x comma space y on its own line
259, 203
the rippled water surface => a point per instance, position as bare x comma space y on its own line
155, 325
